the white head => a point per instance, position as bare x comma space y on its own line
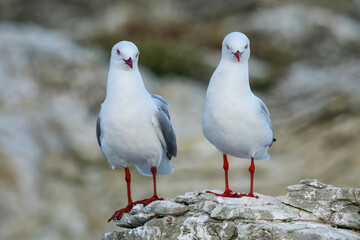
124, 55
236, 48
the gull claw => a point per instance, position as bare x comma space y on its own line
248, 195
118, 214
147, 201
229, 194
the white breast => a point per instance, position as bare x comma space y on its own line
232, 120
128, 136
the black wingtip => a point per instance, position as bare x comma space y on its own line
274, 140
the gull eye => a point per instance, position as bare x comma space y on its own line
117, 52
227, 46
137, 55
246, 46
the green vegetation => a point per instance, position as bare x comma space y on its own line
164, 56
278, 59
167, 53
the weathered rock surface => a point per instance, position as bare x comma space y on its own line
309, 210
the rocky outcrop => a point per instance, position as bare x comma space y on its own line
309, 210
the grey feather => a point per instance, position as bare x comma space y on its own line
159, 98
98, 130
265, 112
163, 127
161, 103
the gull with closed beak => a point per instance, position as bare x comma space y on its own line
133, 127
234, 120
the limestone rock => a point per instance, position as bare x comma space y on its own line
309, 210
140, 215
336, 206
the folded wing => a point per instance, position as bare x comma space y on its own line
265, 112
163, 128
98, 131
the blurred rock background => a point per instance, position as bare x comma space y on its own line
54, 183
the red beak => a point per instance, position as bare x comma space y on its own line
129, 62
238, 55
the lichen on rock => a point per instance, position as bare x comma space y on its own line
309, 210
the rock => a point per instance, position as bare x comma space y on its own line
337, 206
170, 208
45, 79
309, 210
140, 215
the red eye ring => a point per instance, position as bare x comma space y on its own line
117, 52
246, 46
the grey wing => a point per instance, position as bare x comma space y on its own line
265, 112
98, 130
163, 127
161, 103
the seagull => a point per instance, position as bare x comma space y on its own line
133, 127
234, 120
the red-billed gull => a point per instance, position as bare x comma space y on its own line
235, 121
134, 127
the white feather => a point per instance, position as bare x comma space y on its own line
233, 120
128, 136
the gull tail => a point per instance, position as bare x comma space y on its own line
164, 168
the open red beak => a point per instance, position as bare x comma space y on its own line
129, 62
238, 55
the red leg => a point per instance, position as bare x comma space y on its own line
252, 171
228, 192
119, 213
128, 181
154, 197
153, 171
